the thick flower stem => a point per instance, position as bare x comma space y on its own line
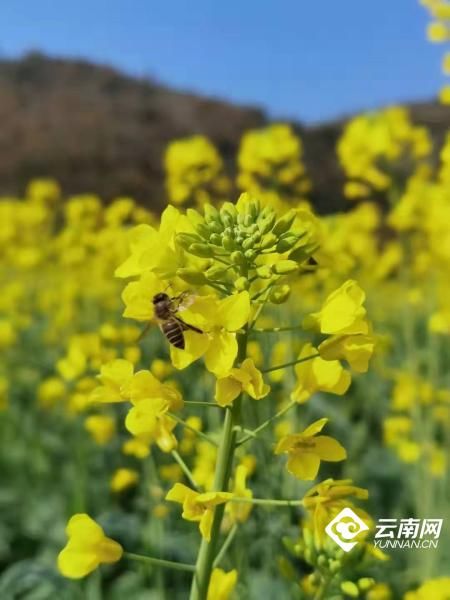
208, 550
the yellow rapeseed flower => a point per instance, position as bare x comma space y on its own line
318, 374
87, 548
221, 584
219, 319
305, 450
101, 427
123, 479
198, 507
245, 378
342, 312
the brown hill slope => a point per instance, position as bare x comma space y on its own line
95, 129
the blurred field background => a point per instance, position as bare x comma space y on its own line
90, 151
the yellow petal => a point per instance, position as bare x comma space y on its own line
140, 238
221, 584
234, 311
227, 390
116, 372
213, 498
221, 353
105, 395
195, 346
179, 492
286, 442
315, 427
137, 297
142, 418
83, 529
142, 385
327, 448
303, 465
76, 564
206, 524
164, 437
109, 551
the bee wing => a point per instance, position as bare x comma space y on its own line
186, 300
186, 326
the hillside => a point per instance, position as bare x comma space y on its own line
96, 129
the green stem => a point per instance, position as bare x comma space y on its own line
276, 329
266, 289
263, 426
159, 562
290, 364
198, 403
207, 551
225, 546
186, 470
186, 426
267, 501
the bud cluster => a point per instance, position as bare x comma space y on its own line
341, 573
245, 244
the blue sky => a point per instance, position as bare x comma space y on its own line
305, 59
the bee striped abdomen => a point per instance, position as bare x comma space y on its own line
173, 330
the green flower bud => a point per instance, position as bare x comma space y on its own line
366, 583
186, 239
191, 276
211, 213
308, 537
298, 549
335, 566
280, 294
203, 250
250, 254
268, 240
285, 223
265, 225
256, 237
241, 284
287, 242
248, 243
203, 231
248, 220
264, 272
216, 239
237, 258
226, 219
253, 208
239, 239
303, 253
265, 212
231, 209
215, 227
215, 272
284, 267
194, 217
322, 560
228, 243
350, 589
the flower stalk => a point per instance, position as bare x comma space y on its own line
207, 551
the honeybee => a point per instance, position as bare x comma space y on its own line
170, 323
